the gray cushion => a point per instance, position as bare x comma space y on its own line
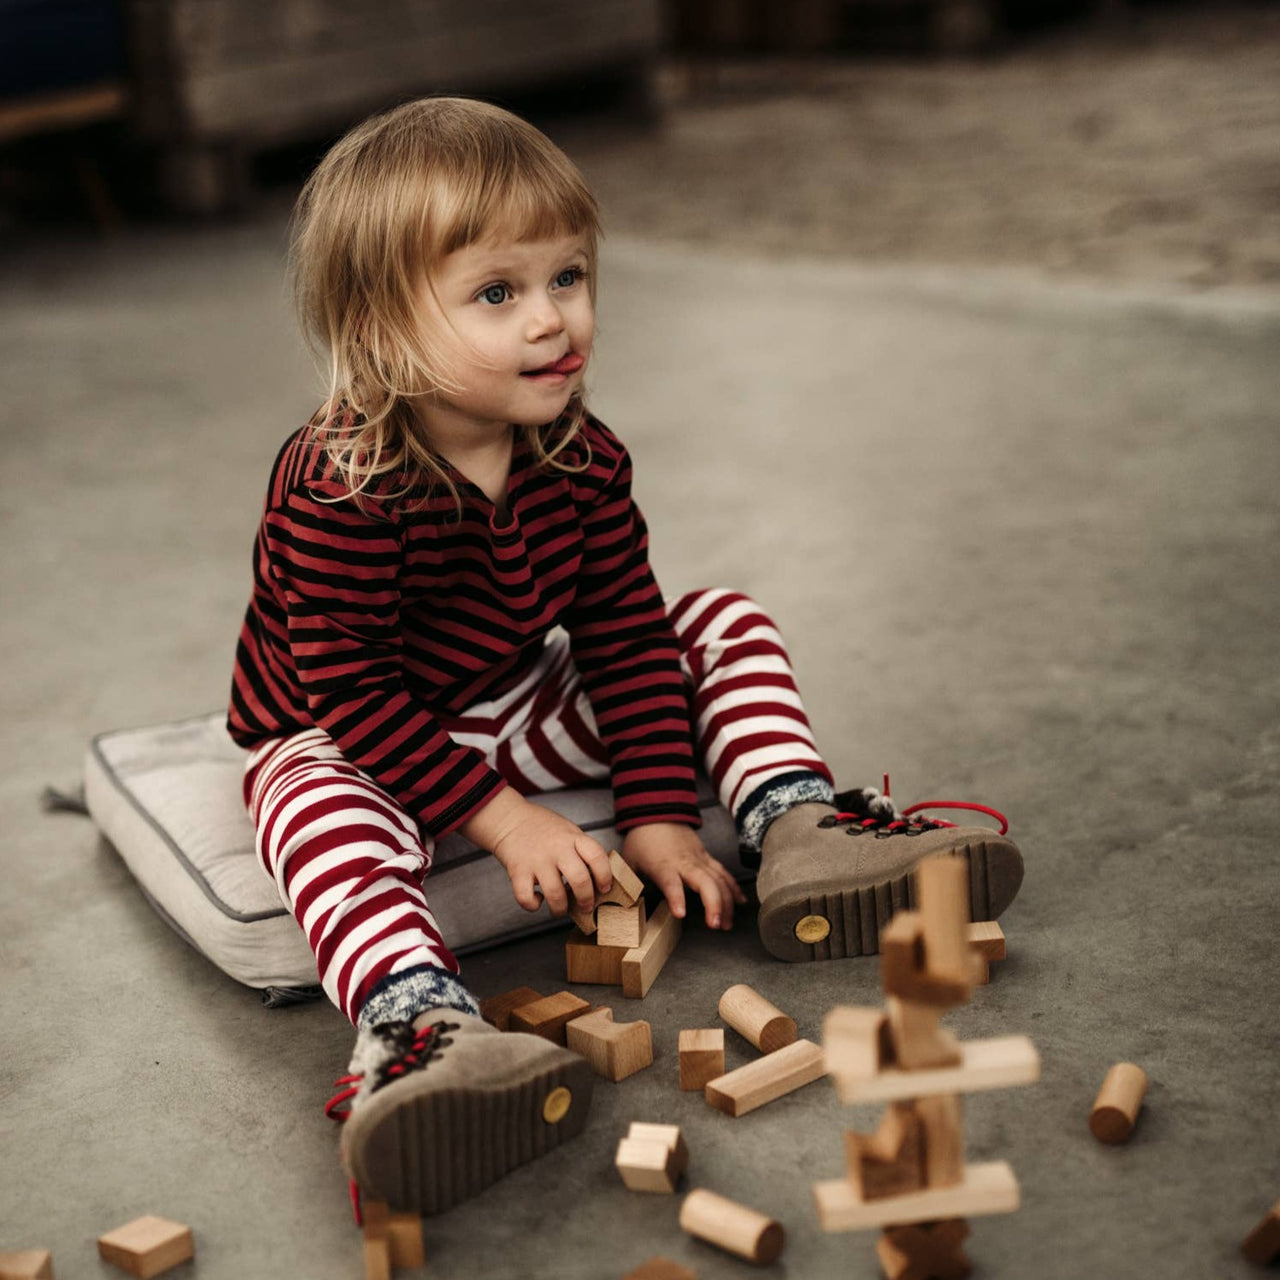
168, 797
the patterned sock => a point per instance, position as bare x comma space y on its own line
400, 997
771, 800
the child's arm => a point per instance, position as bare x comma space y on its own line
541, 851
672, 856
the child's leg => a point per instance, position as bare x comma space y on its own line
438, 1103
348, 863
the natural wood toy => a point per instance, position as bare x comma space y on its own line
587, 962
615, 1050
753, 1017
620, 926
1262, 1244
498, 1009
400, 1233
732, 1226
986, 938
27, 1264
547, 1017
1115, 1110
701, 1057
912, 1170
652, 1157
766, 1078
641, 965
147, 1246
627, 890
661, 1269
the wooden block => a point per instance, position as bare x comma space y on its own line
147, 1246
767, 1078
587, 962
856, 1040
985, 1189
925, 1251
986, 937
943, 1133
997, 1063
547, 1017
27, 1264
732, 1226
628, 888
498, 1009
661, 1269
903, 972
585, 920
1115, 1110
1262, 1244
754, 1017
942, 899
377, 1257
404, 1236
376, 1216
641, 965
615, 1050
620, 926
652, 1157
891, 1160
918, 1040
701, 1057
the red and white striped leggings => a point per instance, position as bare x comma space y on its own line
349, 862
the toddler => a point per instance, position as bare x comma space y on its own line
453, 610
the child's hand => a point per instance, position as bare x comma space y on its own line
540, 850
672, 856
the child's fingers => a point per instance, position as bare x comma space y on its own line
597, 862
672, 886
553, 890
525, 893
581, 883
717, 901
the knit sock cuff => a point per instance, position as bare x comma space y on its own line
773, 798
400, 997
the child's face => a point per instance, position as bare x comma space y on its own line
515, 322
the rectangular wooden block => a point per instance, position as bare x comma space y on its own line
641, 965
701, 1057
918, 1040
547, 1017
942, 898
587, 962
985, 1189
767, 1078
147, 1246
497, 1009
27, 1264
986, 937
614, 1050
856, 1040
628, 888
943, 1132
998, 1063
620, 926
377, 1257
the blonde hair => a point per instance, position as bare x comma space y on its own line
387, 203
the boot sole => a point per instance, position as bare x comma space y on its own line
423, 1149
854, 916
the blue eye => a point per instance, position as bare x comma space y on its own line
569, 277
495, 294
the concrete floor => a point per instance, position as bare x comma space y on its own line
1023, 542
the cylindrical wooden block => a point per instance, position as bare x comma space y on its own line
752, 1016
1115, 1110
732, 1226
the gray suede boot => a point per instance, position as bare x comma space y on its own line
446, 1104
827, 886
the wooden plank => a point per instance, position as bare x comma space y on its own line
942, 899
943, 1138
641, 965
767, 1078
998, 1063
986, 1189
918, 1040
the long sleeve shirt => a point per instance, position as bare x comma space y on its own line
372, 618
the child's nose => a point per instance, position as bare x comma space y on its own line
545, 320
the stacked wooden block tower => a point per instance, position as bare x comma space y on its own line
614, 944
910, 1177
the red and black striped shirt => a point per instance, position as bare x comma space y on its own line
371, 619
